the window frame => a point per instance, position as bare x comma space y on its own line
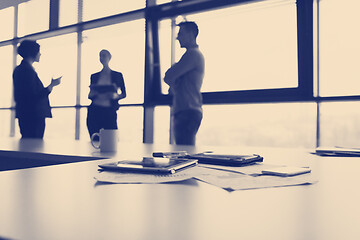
152, 14
304, 91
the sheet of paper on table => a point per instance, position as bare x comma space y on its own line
236, 181
254, 169
228, 180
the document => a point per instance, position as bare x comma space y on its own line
229, 179
254, 169
232, 181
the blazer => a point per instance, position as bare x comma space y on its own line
116, 78
30, 95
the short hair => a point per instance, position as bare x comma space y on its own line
105, 51
28, 48
190, 26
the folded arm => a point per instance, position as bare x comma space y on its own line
185, 64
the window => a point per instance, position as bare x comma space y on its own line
130, 124
162, 125
165, 40
251, 46
339, 124
126, 42
339, 49
61, 125
97, 9
273, 124
5, 116
33, 16
6, 63
277, 125
68, 12
7, 26
58, 58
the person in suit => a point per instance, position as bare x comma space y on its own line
185, 79
104, 95
30, 95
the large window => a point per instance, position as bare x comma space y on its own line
339, 124
7, 26
60, 126
33, 17
162, 125
257, 52
58, 58
6, 63
277, 125
339, 41
281, 124
96, 9
246, 47
165, 41
126, 43
68, 12
5, 117
130, 122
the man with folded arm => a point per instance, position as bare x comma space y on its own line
185, 79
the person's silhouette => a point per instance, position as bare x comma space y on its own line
185, 79
104, 95
30, 95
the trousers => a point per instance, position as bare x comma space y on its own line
186, 125
32, 126
100, 117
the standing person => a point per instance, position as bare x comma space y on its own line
104, 96
185, 79
30, 95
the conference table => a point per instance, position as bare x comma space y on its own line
52, 194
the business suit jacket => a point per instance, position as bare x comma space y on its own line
116, 78
31, 97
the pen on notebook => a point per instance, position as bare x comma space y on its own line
175, 154
170, 154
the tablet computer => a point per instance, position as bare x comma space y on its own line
103, 88
151, 165
225, 159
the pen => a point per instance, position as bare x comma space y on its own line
170, 154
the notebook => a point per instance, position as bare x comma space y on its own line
151, 165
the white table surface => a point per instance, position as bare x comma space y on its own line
65, 201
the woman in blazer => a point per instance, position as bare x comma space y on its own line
104, 96
31, 97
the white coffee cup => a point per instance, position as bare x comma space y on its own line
108, 139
